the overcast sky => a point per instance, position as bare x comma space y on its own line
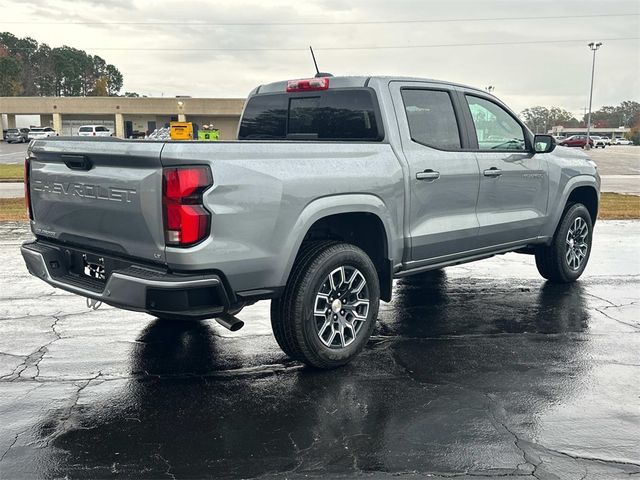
524, 74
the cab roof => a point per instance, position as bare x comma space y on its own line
357, 81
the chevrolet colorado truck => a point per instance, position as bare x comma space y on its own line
335, 186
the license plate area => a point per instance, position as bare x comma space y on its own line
93, 266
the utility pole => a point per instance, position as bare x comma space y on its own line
594, 46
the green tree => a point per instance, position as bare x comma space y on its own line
10, 72
44, 75
114, 80
29, 68
540, 119
627, 114
25, 51
69, 67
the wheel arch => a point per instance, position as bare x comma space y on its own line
579, 189
586, 195
360, 219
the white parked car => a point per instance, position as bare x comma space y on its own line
598, 141
621, 141
94, 131
42, 132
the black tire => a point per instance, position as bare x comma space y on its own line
307, 250
555, 262
295, 326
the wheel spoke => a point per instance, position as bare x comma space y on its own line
352, 333
321, 311
334, 332
323, 329
332, 281
341, 330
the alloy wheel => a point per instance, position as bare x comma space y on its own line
576, 243
341, 307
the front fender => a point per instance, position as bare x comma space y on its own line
558, 204
332, 205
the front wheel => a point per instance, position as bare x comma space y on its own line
566, 258
330, 304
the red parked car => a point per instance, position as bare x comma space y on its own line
576, 141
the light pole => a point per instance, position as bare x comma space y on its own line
594, 46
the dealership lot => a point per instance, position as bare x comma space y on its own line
477, 369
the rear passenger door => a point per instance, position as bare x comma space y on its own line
514, 184
443, 178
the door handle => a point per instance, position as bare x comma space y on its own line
428, 174
77, 162
493, 172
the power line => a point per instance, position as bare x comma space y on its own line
363, 22
372, 47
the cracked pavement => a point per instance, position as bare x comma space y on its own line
477, 370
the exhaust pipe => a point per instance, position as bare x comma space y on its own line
230, 322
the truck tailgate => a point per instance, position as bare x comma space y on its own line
100, 194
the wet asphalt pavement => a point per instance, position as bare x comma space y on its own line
481, 369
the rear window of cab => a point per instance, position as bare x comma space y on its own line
329, 115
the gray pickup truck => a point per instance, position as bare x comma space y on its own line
336, 186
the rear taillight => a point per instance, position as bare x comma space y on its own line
186, 221
308, 84
27, 193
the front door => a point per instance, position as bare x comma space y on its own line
514, 183
443, 178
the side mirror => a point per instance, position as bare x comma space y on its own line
544, 143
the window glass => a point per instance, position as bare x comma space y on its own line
301, 114
85, 129
326, 115
101, 129
264, 117
431, 118
495, 128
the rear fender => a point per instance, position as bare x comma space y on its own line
332, 205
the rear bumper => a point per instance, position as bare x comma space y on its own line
134, 287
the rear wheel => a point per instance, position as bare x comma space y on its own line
566, 258
330, 304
